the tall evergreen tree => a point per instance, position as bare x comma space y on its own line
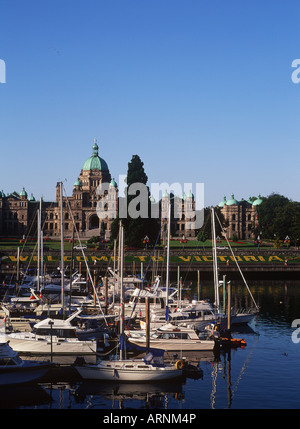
136, 229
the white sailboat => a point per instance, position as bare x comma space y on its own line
237, 318
151, 368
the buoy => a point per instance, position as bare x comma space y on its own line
233, 342
179, 364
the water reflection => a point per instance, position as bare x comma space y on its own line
28, 395
149, 395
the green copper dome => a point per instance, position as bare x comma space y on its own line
95, 162
113, 183
23, 193
232, 201
2, 194
77, 183
222, 203
257, 202
31, 198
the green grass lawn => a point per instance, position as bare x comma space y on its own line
13, 244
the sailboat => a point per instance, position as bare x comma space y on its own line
150, 368
236, 318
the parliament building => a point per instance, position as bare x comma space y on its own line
18, 211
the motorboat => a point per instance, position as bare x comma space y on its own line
170, 337
14, 370
150, 368
52, 336
196, 315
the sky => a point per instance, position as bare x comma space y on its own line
201, 90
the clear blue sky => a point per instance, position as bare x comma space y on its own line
200, 90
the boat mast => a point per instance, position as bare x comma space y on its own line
62, 247
41, 246
121, 239
38, 246
215, 262
168, 262
237, 264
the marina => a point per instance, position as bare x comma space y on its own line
264, 374
149, 217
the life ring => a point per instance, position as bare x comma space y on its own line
179, 364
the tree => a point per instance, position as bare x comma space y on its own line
136, 229
205, 230
278, 217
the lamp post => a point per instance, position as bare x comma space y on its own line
287, 241
184, 240
258, 241
146, 241
51, 349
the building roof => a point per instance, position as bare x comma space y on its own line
232, 201
23, 193
222, 203
257, 202
77, 183
94, 162
113, 183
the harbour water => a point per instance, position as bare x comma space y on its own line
263, 375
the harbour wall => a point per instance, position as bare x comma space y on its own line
275, 263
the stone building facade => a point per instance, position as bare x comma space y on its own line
90, 210
81, 208
17, 213
182, 215
241, 216
93, 212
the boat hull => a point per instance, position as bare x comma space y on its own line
43, 347
242, 318
30, 371
179, 346
128, 372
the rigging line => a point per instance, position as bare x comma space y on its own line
152, 254
28, 234
237, 264
35, 246
85, 260
128, 324
196, 248
244, 367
